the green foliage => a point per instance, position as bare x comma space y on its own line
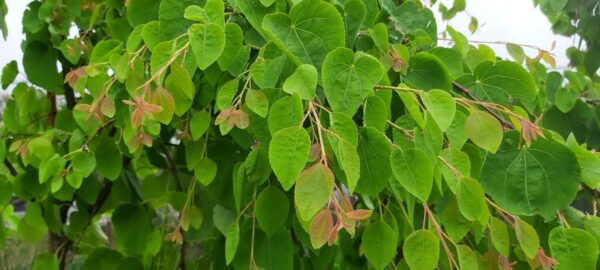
317, 134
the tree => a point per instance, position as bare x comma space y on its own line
281, 134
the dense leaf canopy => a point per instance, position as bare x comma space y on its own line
298, 134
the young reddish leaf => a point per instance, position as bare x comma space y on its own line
359, 214
320, 228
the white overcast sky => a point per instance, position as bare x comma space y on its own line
516, 21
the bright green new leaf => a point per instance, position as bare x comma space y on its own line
272, 208
207, 42
32, 228
379, 242
455, 165
414, 170
226, 94
348, 159
588, 162
484, 130
312, 29
131, 226
9, 73
471, 200
573, 248
257, 102
538, 179
234, 46
288, 154
232, 239
427, 72
467, 258
421, 250
45, 261
205, 171
412, 106
516, 52
374, 150
285, 112
527, 237
303, 82
456, 132
375, 113
441, 106
313, 188
112, 161
84, 163
500, 237
343, 126
179, 84
199, 124
348, 78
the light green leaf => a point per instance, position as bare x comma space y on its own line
471, 201
413, 169
313, 189
573, 248
427, 72
45, 261
412, 106
441, 106
499, 235
199, 124
527, 237
516, 52
588, 161
226, 94
39, 63
205, 171
50, 168
467, 258
348, 78
257, 102
234, 46
348, 159
345, 127
484, 130
112, 160
232, 239
456, 132
374, 150
354, 14
207, 42
32, 227
538, 179
179, 84
312, 29
460, 162
500, 82
286, 112
84, 163
565, 99
288, 154
142, 11
9, 73
303, 81
379, 242
131, 227
272, 208
421, 250
375, 113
